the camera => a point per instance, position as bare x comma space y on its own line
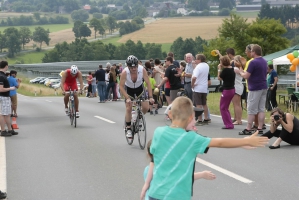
276, 117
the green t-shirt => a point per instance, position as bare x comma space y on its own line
174, 151
153, 83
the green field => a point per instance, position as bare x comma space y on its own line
250, 14
51, 27
28, 58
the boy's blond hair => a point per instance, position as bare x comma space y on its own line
181, 108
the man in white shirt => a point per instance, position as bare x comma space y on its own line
187, 75
199, 84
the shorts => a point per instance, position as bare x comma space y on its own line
256, 101
5, 105
73, 87
14, 100
136, 92
199, 98
167, 92
173, 94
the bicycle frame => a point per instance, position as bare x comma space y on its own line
71, 107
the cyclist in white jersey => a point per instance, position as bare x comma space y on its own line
131, 86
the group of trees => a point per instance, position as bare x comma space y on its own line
235, 32
129, 27
288, 15
13, 39
36, 20
82, 50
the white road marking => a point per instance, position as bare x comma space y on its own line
106, 120
2, 165
224, 171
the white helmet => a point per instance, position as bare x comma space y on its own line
74, 69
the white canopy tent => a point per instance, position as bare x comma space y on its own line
283, 60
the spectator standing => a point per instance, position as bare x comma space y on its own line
14, 82
188, 75
111, 84
5, 102
172, 75
239, 62
272, 80
94, 85
120, 67
256, 76
153, 85
88, 78
174, 62
199, 83
158, 73
227, 75
101, 83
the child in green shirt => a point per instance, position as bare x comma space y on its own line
174, 150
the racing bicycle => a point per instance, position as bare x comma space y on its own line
71, 107
138, 124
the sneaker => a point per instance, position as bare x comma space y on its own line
264, 126
207, 121
245, 132
156, 112
12, 132
77, 115
151, 113
66, 110
199, 123
129, 133
3, 195
5, 134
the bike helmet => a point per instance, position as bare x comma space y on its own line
74, 69
132, 61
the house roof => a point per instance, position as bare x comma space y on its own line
281, 53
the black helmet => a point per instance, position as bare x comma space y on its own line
132, 61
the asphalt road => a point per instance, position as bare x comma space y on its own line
51, 160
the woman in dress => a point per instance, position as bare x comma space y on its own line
239, 62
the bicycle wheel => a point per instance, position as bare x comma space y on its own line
129, 140
74, 116
71, 113
141, 130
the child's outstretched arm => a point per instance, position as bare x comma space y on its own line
147, 181
205, 175
253, 141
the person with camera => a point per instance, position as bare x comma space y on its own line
290, 128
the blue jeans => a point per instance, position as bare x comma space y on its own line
110, 85
101, 90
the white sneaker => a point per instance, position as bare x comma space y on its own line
129, 133
77, 115
66, 111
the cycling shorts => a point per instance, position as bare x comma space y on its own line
138, 92
73, 86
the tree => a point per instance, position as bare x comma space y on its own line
71, 5
111, 23
13, 42
25, 35
2, 41
84, 31
96, 25
235, 29
36, 16
76, 28
97, 15
176, 48
81, 15
268, 34
41, 35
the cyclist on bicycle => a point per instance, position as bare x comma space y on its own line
69, 82
131, 86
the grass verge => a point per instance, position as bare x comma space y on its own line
27, 58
